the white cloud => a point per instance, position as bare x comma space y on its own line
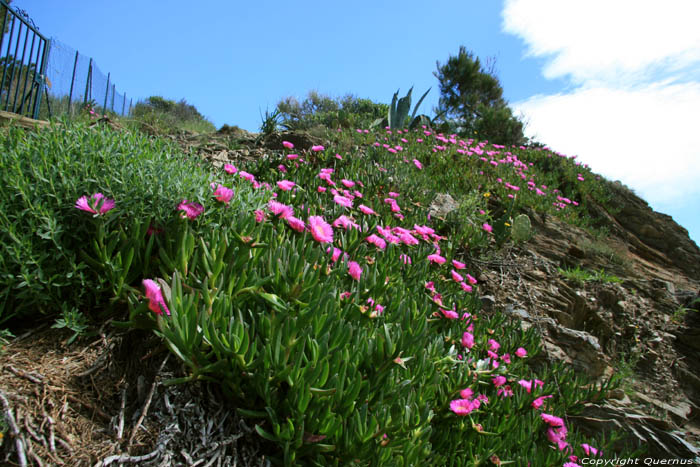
634, 71
620, 40
646, 137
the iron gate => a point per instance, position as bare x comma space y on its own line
23, 56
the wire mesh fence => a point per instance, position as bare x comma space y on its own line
74, 81
46, 78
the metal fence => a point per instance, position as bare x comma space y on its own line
75, 81
23, 52
49, 78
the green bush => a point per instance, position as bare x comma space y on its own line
165, 116
46, 256
321, 110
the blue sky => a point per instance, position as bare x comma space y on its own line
620, 90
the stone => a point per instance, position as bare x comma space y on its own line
442, 205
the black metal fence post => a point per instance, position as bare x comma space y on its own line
88, 84
104, 107
40, 80
72, 83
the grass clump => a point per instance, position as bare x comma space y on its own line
580, 276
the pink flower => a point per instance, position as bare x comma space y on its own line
466, 287
347, 183
466, 393
223, 194
471, 279
291, 157
345, 222
521, 352
285, 185
282, 210
296, 224
423, 230
336, 253
435, 258
467, 340
246, 175
552, 420
590, 450
463, 406
282, 168
345, 295
98, 204
259, 215
376, 241
322, 189
458, 264
505, 391
450, 314
317, 148
499, 380
365, 209
288, 145
493, 345
556, 436
354, 270
230, 169
455, 276
320, 229
343, 201
190, 209
418, 164
430, 286
156, 303
537, 403
393, 194
487, 227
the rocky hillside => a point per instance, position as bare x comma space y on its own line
626, 301
645, 324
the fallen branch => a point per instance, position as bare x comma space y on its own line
148, 402
19, 440
125, 458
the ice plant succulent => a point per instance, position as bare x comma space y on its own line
97, 204
156, 303
320, 229
190, 209
223, 194
355, 270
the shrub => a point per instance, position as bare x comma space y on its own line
321, 110
166, 116
44, 257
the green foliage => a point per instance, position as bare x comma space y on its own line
397, 116
165, 116
269, 123
73, 320
580, 276
473, 96
321, 110
53, 253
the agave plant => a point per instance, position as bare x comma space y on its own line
398, 111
